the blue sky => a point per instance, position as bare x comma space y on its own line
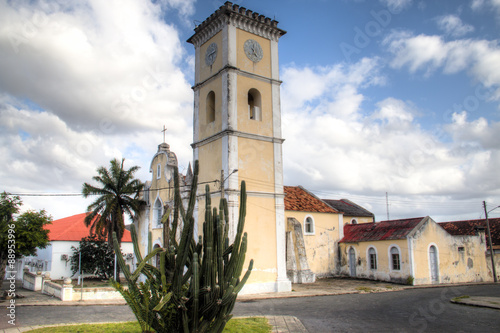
389, 96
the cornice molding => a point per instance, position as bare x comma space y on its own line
241, 18
239, 134
228, 69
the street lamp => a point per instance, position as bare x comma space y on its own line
222, 180
492, 255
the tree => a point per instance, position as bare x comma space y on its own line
97, 258
117, 196
20, 236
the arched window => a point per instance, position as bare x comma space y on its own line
395, 259
157, 214
372, 257
254, 105
210, 107
354, 221
309, 225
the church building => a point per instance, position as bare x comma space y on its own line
293, 236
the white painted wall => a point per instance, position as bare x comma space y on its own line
49, 259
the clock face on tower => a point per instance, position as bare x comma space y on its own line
253, 50
211, 54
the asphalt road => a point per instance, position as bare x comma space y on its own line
416, 310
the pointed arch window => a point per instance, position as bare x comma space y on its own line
157, 214
210, 107
254, 105
372, 257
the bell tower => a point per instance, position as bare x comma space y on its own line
237, 132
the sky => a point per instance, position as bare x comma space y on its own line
393, 104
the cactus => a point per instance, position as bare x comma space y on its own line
195, 287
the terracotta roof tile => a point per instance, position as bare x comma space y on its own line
467, 228
73, 228
384, 230
299, 199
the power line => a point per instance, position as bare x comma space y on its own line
80, 194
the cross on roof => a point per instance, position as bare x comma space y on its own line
164, 130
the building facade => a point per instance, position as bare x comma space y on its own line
64, 234
237, 132
412, 251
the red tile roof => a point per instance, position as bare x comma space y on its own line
72, 228
467, 228
384, 230
299, 199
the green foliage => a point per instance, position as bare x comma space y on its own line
97, 258
117, 195
28, 234
409, 280
195, 287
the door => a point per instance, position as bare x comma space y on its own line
434, 264
352, 261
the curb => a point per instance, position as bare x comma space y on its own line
280, 324
479, 301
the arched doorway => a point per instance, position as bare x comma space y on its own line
433, 263
352, 262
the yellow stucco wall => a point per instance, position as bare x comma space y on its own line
207, 71
207, 128
384, 269
256, 164
320, 246
348, 219
455, 266
210, 164
245, 124
263, 67
260, 226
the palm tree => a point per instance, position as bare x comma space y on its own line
118, 195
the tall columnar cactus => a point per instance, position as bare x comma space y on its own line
195, 287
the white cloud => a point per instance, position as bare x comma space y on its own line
452, 25
396, 6
480, 58
86, 82
476, 4
369, 152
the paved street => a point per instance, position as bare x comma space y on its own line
413, 310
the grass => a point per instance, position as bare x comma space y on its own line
388, 287
365, 289
237, 325
461, 297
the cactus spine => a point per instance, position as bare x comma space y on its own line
195, 287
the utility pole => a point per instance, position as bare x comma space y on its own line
387, 204
489, 243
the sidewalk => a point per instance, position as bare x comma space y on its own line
281, 324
